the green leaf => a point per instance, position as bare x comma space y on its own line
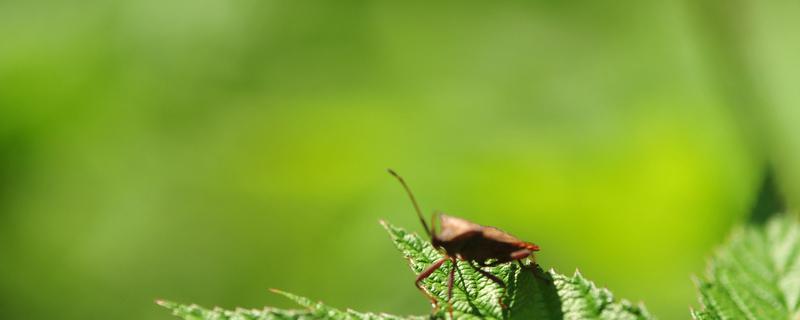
770, 200
756, 275
530, 294
194, 312
313, 310
581, 299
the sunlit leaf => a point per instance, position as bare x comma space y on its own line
756, 275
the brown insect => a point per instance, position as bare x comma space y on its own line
460, 239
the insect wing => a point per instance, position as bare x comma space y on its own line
454, 227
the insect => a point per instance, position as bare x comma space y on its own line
460, 239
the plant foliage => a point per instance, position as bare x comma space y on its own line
313, 310
756, 275
531, 293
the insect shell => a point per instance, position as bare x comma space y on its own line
467, 240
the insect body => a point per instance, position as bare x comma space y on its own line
460, 239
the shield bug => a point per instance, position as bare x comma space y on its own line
460, 239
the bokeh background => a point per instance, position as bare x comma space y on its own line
204, 151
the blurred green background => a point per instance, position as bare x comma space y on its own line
204, 151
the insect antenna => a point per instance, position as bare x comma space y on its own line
413, 201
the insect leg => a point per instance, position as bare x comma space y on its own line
493, 278
520, 254
427, 273
487, 274
516, 255
533, 269
450, 284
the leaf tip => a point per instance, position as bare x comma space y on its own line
305, 302
165, 303
393, 231
696, 280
